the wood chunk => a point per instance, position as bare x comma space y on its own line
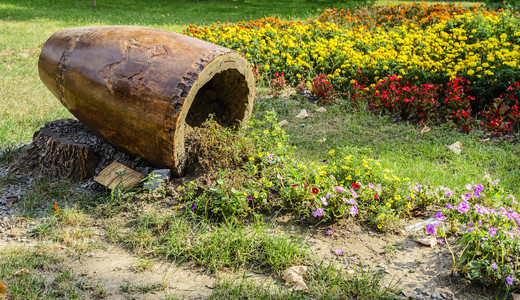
56, 155
118, 174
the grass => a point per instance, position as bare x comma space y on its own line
323, 281
36, 284
215, 247
424, 158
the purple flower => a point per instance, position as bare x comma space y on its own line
417, 188
318, 212
510, 280
479, 188
325, 160
492, 231
463, 206
448, 206
466, 196
370, 185
448, 193
440, 240
353, 193
193, 205
494, 266
430, 229
468, 187
351, 201
272, 191
471, 229
481, 210
353, 210
495, 182
250, 198
339, 189
324, 201
329, 232
439, 216
337, 251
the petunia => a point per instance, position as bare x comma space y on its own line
468, 187
430, 229
354, 194
293, 185
337, 251
324, 201
492, 231
329, 232
315, 190
370, 185
355, 185
250, 198
495, 182
466, 197
463, 206
494, 266
376, 197
339, 189
193, 206
479, 188
353, 210
448, 193
318, 212
510, 280
439, 216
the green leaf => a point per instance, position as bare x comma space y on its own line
220, 181
474, 264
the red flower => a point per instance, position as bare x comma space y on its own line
293, 185
376, 197
315, 190
355, 185
305, 186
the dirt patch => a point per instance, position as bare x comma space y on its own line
421, 272
114, 270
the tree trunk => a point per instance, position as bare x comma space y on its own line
58, 155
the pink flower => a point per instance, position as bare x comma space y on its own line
329, 232
318, 212
353, 210
324, 201
430, 229
337, 251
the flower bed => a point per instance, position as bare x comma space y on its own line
423, 45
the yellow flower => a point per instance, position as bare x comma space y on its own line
266, 66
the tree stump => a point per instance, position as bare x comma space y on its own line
67, 148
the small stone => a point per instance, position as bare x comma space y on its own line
436, 296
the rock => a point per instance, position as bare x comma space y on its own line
436, 296
302, 115
283, 123
156, 178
